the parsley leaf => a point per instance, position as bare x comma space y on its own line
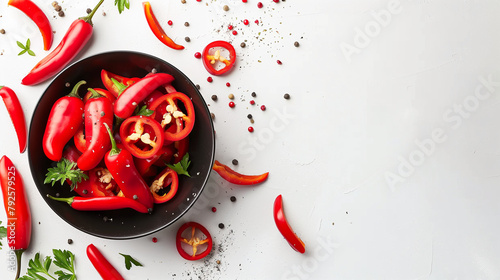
26, 48
122, 4
64, 259
182, 166
129, 261
39, 270
3, 233
65, 170
143, 111
37, 267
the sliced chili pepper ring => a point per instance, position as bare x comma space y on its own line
138, 130
184, 121
212, 55
193, 241
162, 181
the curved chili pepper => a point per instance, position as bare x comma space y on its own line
16, 115
98, 111
162, 181
284, 227
210, 60
102, 203
72, 43
17, 209
236, 178
193, 241
174, 116
64, 120
102, 92
156, 28
38, 17
126, 103
142, 136
121, 165
102, 265
107, 80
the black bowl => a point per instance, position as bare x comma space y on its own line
126, 223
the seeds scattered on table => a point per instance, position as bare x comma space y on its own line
226, 8
235, 162
233, 198
231, 96
70, 241
187, 39
221, 225
2, 31
186, 23
61, 13
296, 44
214, 97
254, 94
286, 96
212, 115
89, 10
243, 44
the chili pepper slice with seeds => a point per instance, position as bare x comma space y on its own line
102, 265
183, 122
38, 17
102, 203
212, 56
236, 178
142, 136
193, 241
16, 115
166, 178
156, 28
285, 229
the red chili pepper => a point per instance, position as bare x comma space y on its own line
284, 227
156, 28
40, 19
162, 181
98, 111
79, 140
102, 203
102, 265
174, 116
17, 209
211, 58
142, 136
64, 120
121, 165
102, 92
236, 178
144, 165
182, 149
16, 115
169, 152
72, 43
193, 241
107, 79
101, 182
126, 103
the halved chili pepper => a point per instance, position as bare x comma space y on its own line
102, 265
212, 55
98, 111
16, 115
193, 241
121, 165
38, 17
72, 43
236, 178
156, 28
142, 130
174, 116
102, 203
107, 80
17, 209
64, 120
102, 92
284, 227
126, 103
102, 182
79, 139
167, 177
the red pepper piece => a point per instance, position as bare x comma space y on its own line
101, 182
16, 115
182, 149
72, 43
169, 152
166, 178
126, 103
64, 120
284, 227
98, 111
40, 19
236, 178
144, 131
174, 116
103, 203
17, 209
156, 28
193, 241
144, 165
79, 140
210, 59
102, 92
107, 79
121, 165
102, 265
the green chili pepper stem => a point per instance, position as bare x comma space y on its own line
68, 200
95, 94
74, 92
1, 87
18, 253
88, 18
114, 149
121, 87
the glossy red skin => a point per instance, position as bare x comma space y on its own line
187, 123
150, 126
143, 165
172, 179
79, 140
16, 115
105, 203
18, 213
102, 265
157, 29
110, 86
182, 149
236, 178
102, 92
97, 112
40, 19
127, 177
232, 57
178, 241
126, 103
284, 228
64, 120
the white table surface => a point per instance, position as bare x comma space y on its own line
387, 153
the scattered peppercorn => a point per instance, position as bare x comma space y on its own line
252, 102
210, 79
230, 27
103, 14
263, 107
54, 3
170, 22
252, 121
279, 62
221, 225
228, 84
183, 1
276, 1
218, 261
243, 44
231, 96
296, 44
256, 21
57, 8
233, 198
89, 10
135, 197
198, 87
214, 97
235, 162
186, 24
154, 70
61, 13
244, 1
260, 5
250, 129
286, 96
249, 116
246, 22
2, 31
235, 32
187, 39
67, 84
254, 94
212, 115
231, 104
155, 239
197, 54
214, 209
70, 241
225, 8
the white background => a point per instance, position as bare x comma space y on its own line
387, 154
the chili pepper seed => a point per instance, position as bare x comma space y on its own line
250, 129
263, 107
231, 96
210, 79
225, 8
260, 5
54, 3
234, 162
197, 55
231, 104
233, 198
214, 97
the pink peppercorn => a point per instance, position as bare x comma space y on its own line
263, 107
214, 209
230, 27
250, 129
170, 22
155, 239
235, 32
246, 22
256, 21
197, 54
279, 62
231, 104
252, 102
244, 1
209, 79
276, 1
260, 5
228, 84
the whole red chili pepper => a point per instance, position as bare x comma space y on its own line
72, 43
102, 265
79, 140
114, 88
64, 120
121, 165
101, 203
236, 178
126, 103
40, 19
285, 229
102, 92
16, 115
98, 111
156, 28
17, 208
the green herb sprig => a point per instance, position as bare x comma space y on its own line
25, 48
122, 4
182, 166
39, 269
129, 261
65, 170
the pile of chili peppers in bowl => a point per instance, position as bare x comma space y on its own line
126, 140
